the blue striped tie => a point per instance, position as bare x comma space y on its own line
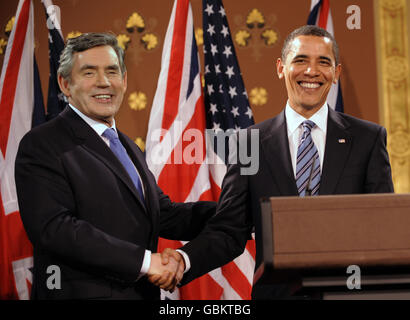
307, 163
122, 155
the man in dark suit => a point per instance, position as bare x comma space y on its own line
88, 201
307, 149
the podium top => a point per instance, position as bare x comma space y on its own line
336, 231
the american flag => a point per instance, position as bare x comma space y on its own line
179, 108
227, 108
320, 16
21, 107
225, 95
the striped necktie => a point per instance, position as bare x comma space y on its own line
307, 163
122, 155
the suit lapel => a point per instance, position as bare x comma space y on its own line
97, 147
275, 146
337, 150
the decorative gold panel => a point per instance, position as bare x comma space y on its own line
394, 85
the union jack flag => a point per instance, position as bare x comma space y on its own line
21, 108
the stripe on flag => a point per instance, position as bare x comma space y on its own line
18, 83
320, 16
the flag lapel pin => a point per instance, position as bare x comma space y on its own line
342, 140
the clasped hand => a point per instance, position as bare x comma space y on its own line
166, 269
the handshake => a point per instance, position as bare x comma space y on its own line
166, 269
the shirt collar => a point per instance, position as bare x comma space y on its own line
97, 126
294, 119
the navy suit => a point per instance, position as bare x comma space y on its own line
82, 212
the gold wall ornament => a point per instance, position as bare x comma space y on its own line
392, 4
3, 44
258, 96
7, 30
135, 22
396, 68
150, 41
242, 37
400, 144
394, 85
73, 34
270, 36
137, 100
123, 41
255, 18
9, 26
199, 36
140, 143
253, 37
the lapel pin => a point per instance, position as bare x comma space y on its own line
342, 141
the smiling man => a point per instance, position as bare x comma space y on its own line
307, 150
309, 66
88, 202
96, 84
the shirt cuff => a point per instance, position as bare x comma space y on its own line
186, 259
145, 264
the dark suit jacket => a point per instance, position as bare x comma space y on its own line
359, 165
82, 213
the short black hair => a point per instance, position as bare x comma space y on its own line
310, 30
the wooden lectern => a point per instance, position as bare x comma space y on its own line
310, 243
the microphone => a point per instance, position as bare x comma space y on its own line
308, 191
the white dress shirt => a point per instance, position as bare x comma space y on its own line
294, 124
100, 128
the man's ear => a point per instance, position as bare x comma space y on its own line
279, 68
338, 70
64, 85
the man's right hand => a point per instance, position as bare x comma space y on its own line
166, 269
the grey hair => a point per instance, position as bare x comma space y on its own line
84, 42
309, 30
